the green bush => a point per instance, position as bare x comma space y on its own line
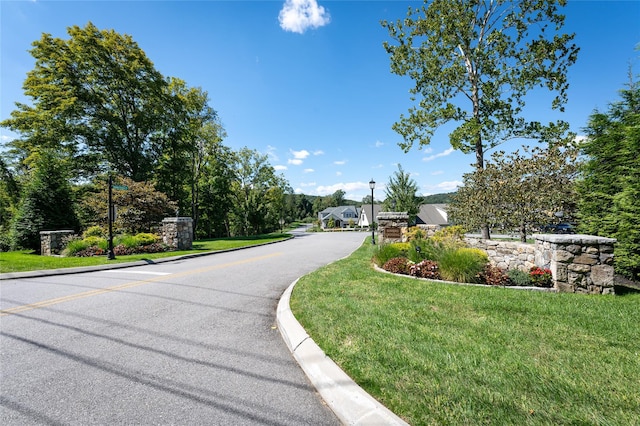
146, 238
94, 231
386, 252
74, 246
520, 278
427, 249
127, 241
463, 265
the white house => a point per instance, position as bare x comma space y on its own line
343, 216
364, 220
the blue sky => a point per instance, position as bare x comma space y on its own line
313, 90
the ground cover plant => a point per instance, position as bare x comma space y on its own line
25, 260
438, 353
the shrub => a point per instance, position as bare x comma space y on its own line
519, 278
90, 251
493, 275
415, 233
541, 277
122, 250
397, 265
153, 248
146, 238
462, 264
75, 245
128, 241
425, 269
425, 249
450, 236
94, 231
386, 252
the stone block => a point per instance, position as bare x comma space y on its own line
563, 256
565, 288
602, 275
586, 259
576, 267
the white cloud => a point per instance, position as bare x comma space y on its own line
299, 155
379, 144
294, 161
346, 187
5, 138
338, 173
298, 16
308, 170
379, 166
318, 152
448, 185
307, 184
340, 163
279, 167
438, 155
437, 172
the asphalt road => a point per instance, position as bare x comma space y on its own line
188, 342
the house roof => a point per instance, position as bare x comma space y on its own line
432, 214
338, 212
366, 210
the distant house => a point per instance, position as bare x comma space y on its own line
432, 214
343, 216
364, 220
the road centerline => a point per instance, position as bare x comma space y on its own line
96, 292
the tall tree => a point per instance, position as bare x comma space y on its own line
97, 98
473, 63
254, 178
610, 181
47, 203
518, 191
401, 194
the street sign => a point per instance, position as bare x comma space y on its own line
121, 187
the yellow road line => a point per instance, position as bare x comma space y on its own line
71, 297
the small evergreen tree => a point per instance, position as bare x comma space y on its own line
47, 202
610, 186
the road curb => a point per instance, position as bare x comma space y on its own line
350, 403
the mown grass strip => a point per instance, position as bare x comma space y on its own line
20, 261
438, 353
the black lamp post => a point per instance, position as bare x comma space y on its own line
372, 185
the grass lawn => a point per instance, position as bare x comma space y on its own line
19, 261
439, 354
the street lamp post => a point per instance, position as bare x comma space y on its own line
372, 185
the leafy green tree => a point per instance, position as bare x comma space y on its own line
47, 203
95, 97
401, 194
519, 190
140, 208
337, 198
254, 179
609, 187
473, 63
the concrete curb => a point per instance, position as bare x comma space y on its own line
350, 403
81, 269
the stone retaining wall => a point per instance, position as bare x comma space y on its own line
51, 241
177, 232
578, 263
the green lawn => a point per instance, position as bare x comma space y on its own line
19, 261
438, 353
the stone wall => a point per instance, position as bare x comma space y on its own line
51, 242
177, 232
392, 227
578, 263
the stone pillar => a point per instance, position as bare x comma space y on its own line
392, 226
51, 242
177, 232
578, 263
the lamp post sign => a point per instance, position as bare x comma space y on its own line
111, 215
